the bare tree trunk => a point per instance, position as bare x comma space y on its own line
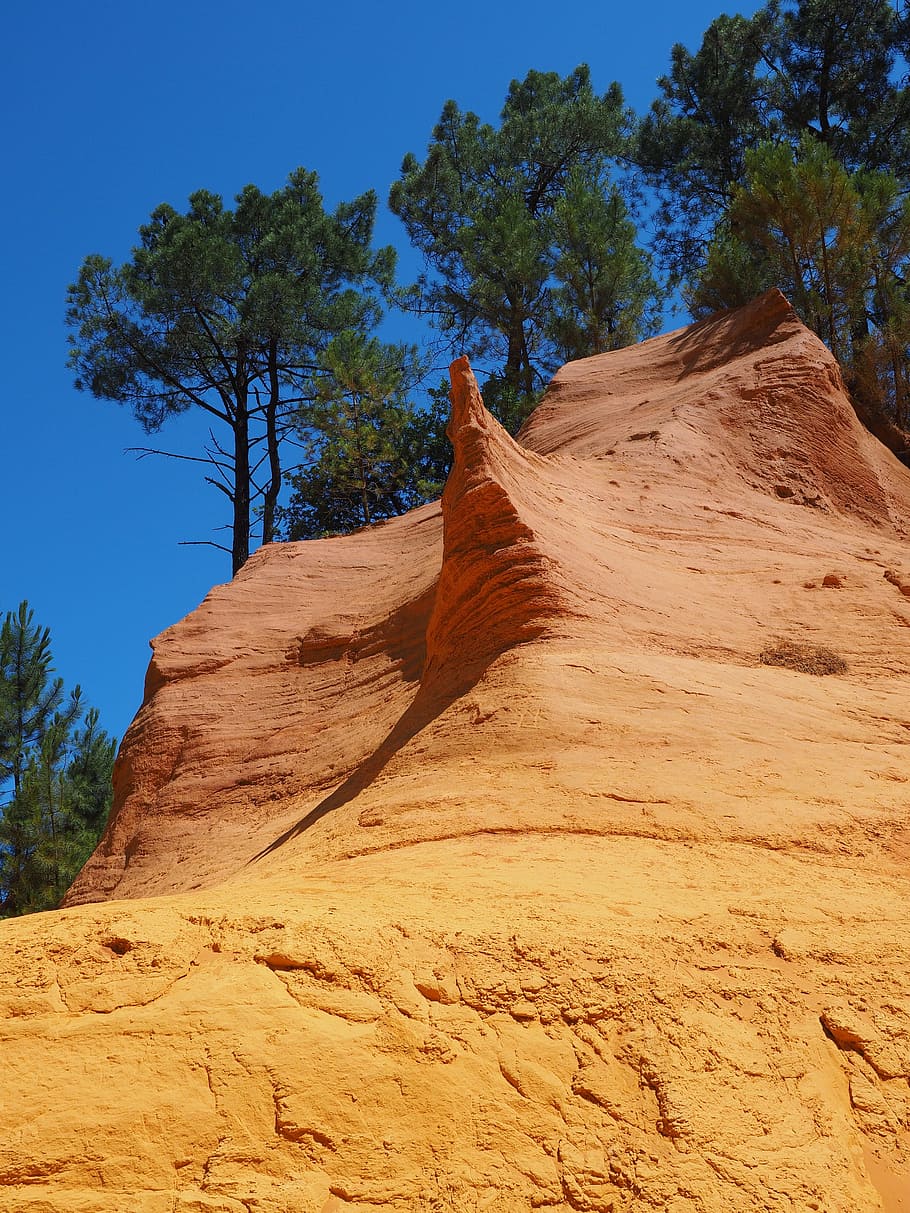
240, 543
273, 488
514, 356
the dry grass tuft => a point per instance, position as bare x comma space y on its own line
806, 658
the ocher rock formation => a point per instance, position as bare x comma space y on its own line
481, 861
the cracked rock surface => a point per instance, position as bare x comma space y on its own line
481, 860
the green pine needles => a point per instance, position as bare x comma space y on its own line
228, 312
779, 152
527, 235
55, 772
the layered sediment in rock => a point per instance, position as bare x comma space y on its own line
493, 864
750, 399
498, 584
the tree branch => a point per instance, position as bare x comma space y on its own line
203, 543
142, 452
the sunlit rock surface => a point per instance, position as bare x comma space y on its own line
478, 861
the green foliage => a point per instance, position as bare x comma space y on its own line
835, 78
489, 210
370, 453
797, 222
509, 405
692, 143
797, 67
606, 297
780, 152
29, 700
55, 772
838, 245
228, 311
880, 365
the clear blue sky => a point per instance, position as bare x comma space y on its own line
112, 107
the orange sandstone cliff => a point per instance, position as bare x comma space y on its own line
484, 860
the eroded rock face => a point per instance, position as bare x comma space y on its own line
485, 860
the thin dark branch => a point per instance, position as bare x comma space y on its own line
225, 488
115, 319
142, 452
258, 464
203, 543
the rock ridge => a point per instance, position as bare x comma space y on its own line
498, 586
589, 525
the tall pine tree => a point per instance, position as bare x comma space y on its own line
226, 311
55, 772
797, 68
779, 151
369, 451
487, 209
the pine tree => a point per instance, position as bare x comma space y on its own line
226, 311
779, 151
838, 245
29, 698
55, 777
799, 216
797, 68
370, 452
487, 209
606, 296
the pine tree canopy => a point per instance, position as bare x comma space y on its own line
514, 220
370, 451
816, 68
55, 772
779, 150
227, 311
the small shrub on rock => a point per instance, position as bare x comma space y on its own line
806, 658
